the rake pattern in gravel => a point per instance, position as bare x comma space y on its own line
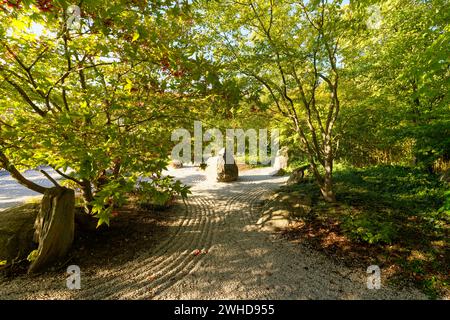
215, 251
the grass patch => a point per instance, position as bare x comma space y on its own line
392, 212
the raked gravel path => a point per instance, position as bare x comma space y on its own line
241, 262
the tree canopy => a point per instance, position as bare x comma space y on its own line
95, 89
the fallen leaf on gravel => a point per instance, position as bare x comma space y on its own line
196, 252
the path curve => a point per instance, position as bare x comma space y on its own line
236, 261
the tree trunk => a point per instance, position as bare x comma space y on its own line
54, 227
88, 196
327, 188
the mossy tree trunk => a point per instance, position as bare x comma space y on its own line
55, 223
54, 227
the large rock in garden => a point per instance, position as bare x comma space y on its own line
176, 164
297, 175
281, 159
283, 209
275, 220
219, 170
299, 204
16, 232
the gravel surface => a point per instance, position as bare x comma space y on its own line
215, 252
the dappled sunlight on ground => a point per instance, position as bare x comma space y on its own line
211, 250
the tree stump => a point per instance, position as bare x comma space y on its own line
54, 227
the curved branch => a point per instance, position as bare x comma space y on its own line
50, 178
4, 162
62, 174
25, 96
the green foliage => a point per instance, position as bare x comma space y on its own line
32, 256
399, 206
99, 102
111, 195
432, 142
396, 210
395, 186
70, 184
371, 229
159, 193
395, 92
445, 209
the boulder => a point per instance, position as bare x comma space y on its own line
273, 221
227, 172
16, 232
85, 222
281, 159
219, 170
299, 204
280, 162
297, 175
176, 164
211, 168
283, 209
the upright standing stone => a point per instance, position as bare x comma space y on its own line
281, 159
219, 170
297, 175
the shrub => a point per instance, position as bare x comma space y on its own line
370, 230
159, 193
